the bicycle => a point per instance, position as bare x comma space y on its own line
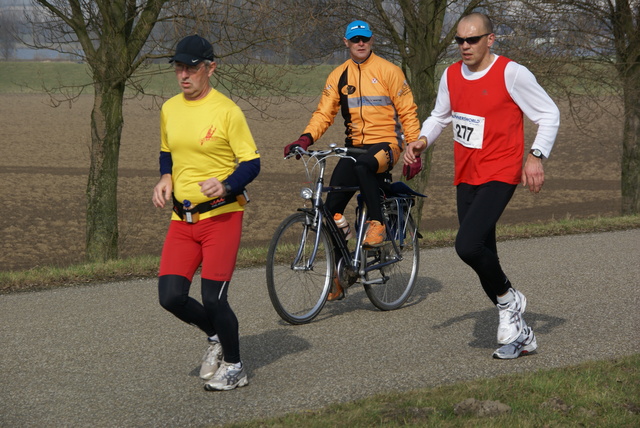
300, 261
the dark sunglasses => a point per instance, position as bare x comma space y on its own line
357, 39
471, 40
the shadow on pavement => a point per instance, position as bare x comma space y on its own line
261, 350
486, 325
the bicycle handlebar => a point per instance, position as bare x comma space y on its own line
333, 150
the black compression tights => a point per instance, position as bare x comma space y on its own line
479, 208
364, 174
213, 316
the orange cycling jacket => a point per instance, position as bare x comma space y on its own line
376, 103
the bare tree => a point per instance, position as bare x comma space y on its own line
583, 50
119, 38
590, 53
110, 36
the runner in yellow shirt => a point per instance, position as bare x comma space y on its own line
207, 157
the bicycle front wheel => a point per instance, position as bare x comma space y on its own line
390, 286
298, 286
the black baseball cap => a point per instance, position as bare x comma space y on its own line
192, 50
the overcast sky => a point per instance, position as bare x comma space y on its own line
13, 2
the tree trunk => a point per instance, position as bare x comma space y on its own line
424, 92
630, 174
102, 206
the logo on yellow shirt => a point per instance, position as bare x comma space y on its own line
208, 135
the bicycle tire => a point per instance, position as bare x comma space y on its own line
298, 295
397, 279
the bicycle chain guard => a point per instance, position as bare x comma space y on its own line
346, 277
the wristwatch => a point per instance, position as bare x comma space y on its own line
227, 188
537, 153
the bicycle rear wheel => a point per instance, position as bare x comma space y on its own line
298, 290
390, 286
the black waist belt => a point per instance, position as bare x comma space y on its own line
191, 214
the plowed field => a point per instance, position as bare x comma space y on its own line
44, 161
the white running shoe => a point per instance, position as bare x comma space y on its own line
522, 345
511, 323
211, 360
227, 377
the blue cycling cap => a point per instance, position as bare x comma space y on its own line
357, 28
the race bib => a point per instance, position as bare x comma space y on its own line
468, 130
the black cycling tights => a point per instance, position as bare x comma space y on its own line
378, 159
479, 209
213, 316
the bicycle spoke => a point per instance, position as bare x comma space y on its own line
390, 285
298, 289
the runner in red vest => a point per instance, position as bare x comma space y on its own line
484, 97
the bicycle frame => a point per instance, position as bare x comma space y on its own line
322, 257
318, 212
402, 217
321, 217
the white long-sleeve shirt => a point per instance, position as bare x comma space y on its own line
525, 91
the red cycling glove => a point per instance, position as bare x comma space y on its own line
304, 141
413, 169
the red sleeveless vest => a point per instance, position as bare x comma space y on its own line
485, 107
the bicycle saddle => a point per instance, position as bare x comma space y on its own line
400, 188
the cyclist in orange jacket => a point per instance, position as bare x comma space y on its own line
379, 113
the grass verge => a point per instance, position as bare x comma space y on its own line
592, 394
147, 266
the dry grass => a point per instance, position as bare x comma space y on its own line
147, 266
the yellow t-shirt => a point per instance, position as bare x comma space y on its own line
206, 138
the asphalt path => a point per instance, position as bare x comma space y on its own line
108, 355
